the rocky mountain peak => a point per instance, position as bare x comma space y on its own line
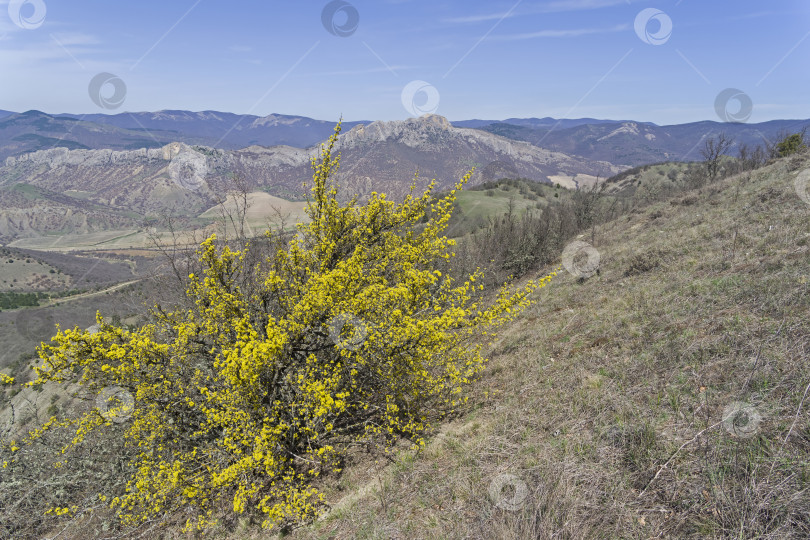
413, 132
172, 149
436, 120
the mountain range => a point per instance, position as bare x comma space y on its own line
34, 130
59, 189
624, 143
88, 173
641, 143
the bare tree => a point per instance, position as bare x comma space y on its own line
712, 150
744, 154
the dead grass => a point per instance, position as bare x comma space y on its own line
606, 408
605, 401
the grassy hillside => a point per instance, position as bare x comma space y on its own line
475, 206
664, 397
602, 408
24, 270
22, 330
264, 211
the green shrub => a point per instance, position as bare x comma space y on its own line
791, 144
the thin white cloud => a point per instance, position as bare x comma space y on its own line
240, 48
361, 71
548, 7
757, 15
580, 5
37, 48
575, 32
55, 52
479, 18
34, 54
69, 39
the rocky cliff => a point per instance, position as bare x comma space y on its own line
87, 190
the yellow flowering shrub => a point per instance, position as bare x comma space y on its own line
348, 335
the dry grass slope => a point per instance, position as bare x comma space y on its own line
605, 401
601, 414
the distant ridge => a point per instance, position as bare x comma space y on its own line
621, 142
538, 123
222, 129
91, 190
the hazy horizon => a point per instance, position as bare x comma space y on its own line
669, 62
345, 120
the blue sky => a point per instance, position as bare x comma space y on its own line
490, 60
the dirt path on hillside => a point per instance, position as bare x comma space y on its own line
116, 287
